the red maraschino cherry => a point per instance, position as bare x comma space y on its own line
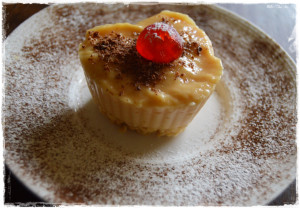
160, 43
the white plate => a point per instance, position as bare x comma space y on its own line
239, 150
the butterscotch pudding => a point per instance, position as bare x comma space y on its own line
153, 76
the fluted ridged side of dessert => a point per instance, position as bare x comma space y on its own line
144, 95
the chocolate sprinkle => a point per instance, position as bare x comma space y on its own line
119, 52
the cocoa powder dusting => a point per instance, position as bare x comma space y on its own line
119, 53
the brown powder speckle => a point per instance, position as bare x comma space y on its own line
119, 51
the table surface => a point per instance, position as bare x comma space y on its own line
276, 20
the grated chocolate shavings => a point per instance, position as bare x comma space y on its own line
199, 49
119, 52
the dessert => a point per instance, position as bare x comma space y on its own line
160, 94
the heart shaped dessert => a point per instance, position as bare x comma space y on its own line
153, 76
